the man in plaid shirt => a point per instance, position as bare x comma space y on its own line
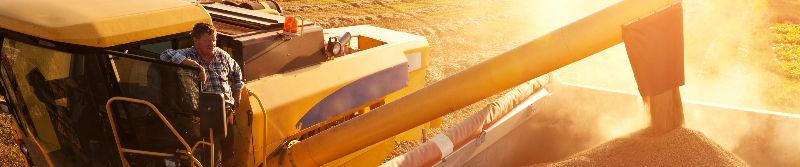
218, 68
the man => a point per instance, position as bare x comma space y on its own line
217, 69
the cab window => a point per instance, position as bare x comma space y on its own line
157, 48
54, 94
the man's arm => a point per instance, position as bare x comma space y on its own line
174, 56
237, 94
235, 77
179, 57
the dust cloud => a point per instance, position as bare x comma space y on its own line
728, 62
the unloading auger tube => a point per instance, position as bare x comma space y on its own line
568, 44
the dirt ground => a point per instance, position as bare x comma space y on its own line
728, 45
9, 151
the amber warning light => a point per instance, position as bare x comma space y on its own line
290, 26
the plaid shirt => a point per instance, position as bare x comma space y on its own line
218, 72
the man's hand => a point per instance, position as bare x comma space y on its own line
200, 77
237, 94
229, 118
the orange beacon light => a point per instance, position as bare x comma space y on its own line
290, 26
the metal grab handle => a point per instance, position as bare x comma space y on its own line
302, 22
259, 101
265, 117
116, 137
211, 144
201, 142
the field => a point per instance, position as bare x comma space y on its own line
9, 151
783, 24
786, 46
742, 53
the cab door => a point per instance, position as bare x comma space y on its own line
55, 98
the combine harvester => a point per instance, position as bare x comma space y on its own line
86, 87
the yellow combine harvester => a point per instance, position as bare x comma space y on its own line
86, 86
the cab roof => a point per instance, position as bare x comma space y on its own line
100, 23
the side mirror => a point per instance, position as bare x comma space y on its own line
212, 114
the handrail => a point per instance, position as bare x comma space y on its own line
148, 59
211, 144
265, 119
116, 137
200, 142
211, 138
147, 152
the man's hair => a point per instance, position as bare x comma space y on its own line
202, 28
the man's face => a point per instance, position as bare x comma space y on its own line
206, 44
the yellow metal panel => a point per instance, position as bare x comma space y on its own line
370, 156
436, 123
100, 23
287, 97
413, 133
244, 133
365, 43
416, 81
374, 156
259, 125
422, 47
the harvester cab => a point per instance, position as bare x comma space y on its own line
86, 85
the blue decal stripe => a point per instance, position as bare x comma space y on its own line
356, 94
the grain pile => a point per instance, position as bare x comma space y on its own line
679, 147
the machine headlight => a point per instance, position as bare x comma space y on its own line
337, 45
334, 47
